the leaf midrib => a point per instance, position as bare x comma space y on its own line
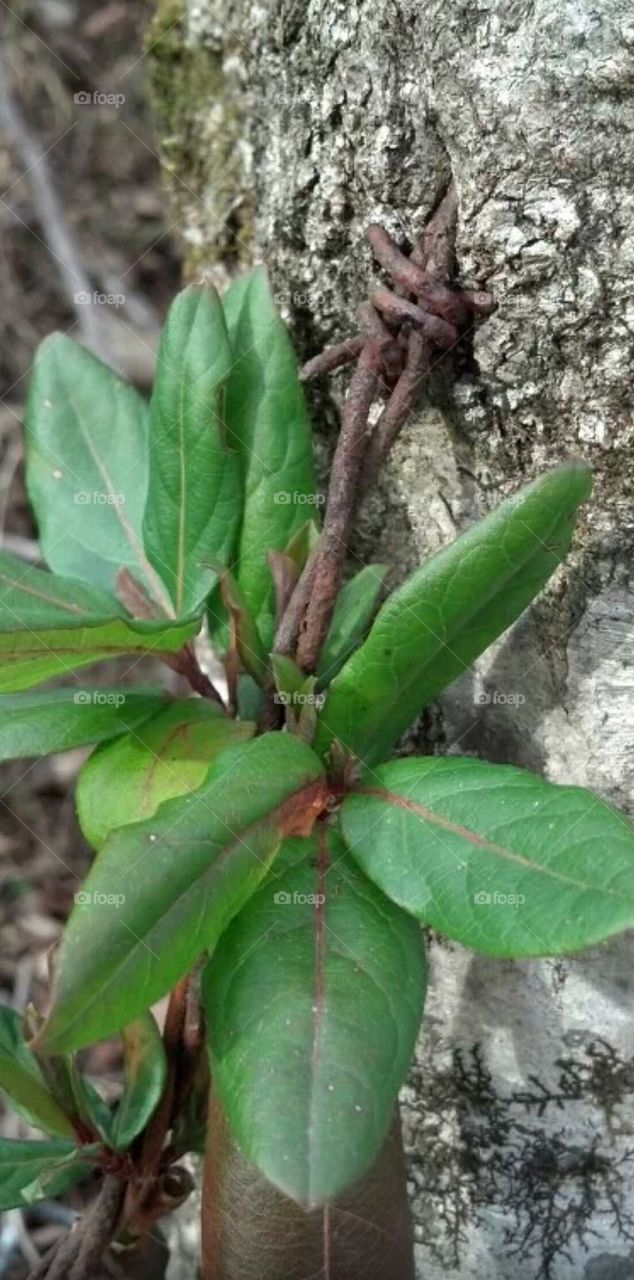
19, 585
132, 539
472, 837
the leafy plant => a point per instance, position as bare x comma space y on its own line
265, 869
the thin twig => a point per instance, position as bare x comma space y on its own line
435, 249
156, 1131
403, 334
434, 258
333, 543
98, 1228
403, 271
398, 309
398, 408
332, 358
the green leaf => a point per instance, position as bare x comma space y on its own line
87, 467
437, 623
51, 720
92, 1109
31, 1171
21, 1080
493, 856
246, 638
297, 693
145, 1070
313, 1001
355, 606
169, 755
49, 626
302, 543
289, 678
250, 698
195, 492
162, 891
269, 424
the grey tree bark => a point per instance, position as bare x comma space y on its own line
287, 128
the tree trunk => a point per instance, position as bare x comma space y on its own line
288, 128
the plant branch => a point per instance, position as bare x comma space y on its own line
333, 543
333, 358
398, 408
156, 1131
98, 1228
77, 1256
400, 347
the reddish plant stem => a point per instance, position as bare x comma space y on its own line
77, 1256
98, 1229
434, 258
405, 272
333, 543
398, 408
435, 249
186, 664
403, 337
156, 1131
333, 358
387, 342
398, 309
288, 630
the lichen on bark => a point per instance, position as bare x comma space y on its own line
199, 102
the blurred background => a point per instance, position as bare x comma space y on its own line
85, 248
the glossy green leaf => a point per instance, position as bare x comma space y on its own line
162, 891
493, 856
31, 1171
49, 626
169, 755
145, 1070
195, 492
353, 613
87, 466
22, 1082
268, 421
313, 1001
437, 623
51, 720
